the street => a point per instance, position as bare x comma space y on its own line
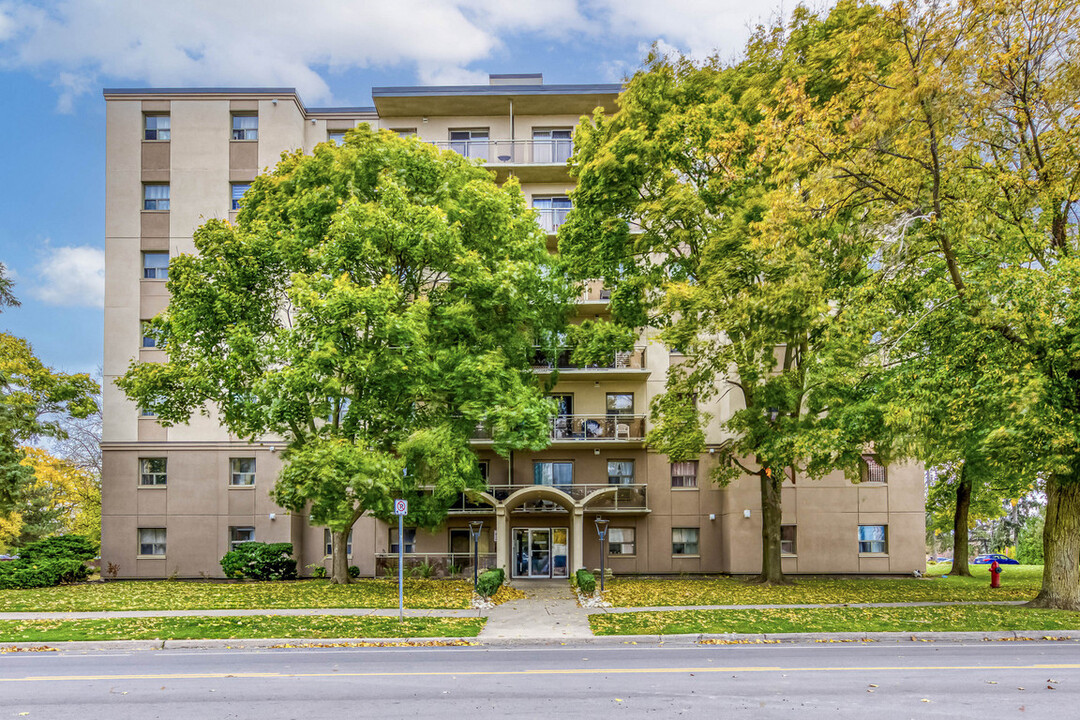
999, 679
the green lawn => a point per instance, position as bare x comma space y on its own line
181, 595
1019, 582
263, 626
788, 620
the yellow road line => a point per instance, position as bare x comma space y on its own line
563, 671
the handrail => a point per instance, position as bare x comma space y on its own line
633, 359
512, 152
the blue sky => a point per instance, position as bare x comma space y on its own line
56, 56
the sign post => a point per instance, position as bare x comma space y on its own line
401, 509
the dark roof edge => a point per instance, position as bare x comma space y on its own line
327, 110
504, 76
420, 91
200, 90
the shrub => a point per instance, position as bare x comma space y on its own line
48, 562
489, 582
260, 561
1029, 547
60, 547
354, 571
422, 570
586, 581
317, 571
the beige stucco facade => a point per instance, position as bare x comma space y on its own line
183, 520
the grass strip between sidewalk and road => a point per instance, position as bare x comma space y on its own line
248, 627
1019, 582
420, 594
978, 618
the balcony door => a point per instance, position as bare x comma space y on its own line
471, 143
540, 552
552, 146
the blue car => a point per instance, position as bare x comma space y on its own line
992, 558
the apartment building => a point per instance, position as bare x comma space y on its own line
174, 500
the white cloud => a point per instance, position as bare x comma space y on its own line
81, 44
71, 277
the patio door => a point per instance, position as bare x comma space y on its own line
540, 552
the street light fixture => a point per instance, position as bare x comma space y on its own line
601, 530
474, 530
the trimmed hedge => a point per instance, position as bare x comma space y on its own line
260, 561
489, 582
48, 562
586, 581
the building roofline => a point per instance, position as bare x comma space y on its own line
461, 90
283, 92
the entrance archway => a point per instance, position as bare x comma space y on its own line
511, 542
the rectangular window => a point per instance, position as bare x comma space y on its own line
621, 541
238, 190
241, 471
155, 266
149, 342
684, 541
328, 541
553, 473
872, 539
147, 413
551, 211
245, 127
485, 469
470, 143
620, 472
787, 540
410, 540
871, 471
620, 403
155, 196
153, 471
684, 474
404, 132
152, 541
239, 535
156, 127
552, 146
336, 136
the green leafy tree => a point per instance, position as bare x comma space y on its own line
374, 305
679, 209
956, 136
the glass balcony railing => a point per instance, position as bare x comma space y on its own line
512, 152
633, 359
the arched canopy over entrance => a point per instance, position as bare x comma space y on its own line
530, 544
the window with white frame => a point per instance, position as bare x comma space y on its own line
328, 543
684, 541
155, 265
238, 190
553, 473
873, 539
551, 211
239, 535
621, 541
152, 541
245, 126
155, 196
336, 136
409, 537
620, 472
153, 471
620, 404
788, 535
241, 471
472, 143
871, 471
155, 127
552, 145
684, 474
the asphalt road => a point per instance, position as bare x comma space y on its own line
857, 680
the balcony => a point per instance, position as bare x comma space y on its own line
551, 219
572, 429
628, 364
594, 497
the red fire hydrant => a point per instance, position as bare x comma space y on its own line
995, 575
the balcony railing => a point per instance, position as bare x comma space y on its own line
512, 152
589, 428
437, 564
551, 219
628, 496
633, 359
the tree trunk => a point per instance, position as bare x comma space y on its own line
339, 558
1061, 545
960, 524
771, 573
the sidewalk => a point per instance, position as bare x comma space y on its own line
550, 612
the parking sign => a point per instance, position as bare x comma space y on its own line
401, 507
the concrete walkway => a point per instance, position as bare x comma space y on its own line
668, 608
550, 612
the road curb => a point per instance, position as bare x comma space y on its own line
603, 640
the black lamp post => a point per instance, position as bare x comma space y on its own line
474, 530
601, 530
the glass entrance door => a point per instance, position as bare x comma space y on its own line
540, 552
